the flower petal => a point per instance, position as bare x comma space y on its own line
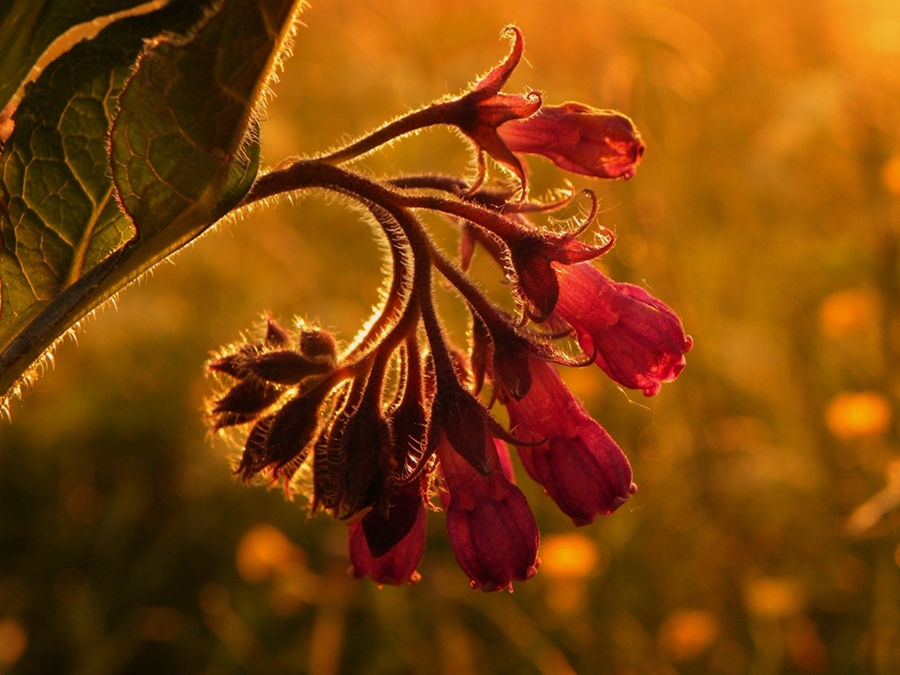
580, 139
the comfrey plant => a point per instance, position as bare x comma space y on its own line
383, 430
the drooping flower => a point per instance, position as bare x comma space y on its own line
535, 255
578, 464
636, 339
578, 138
395, 566
492, 530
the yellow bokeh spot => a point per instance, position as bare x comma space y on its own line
571, 556
687, 633
13, 641
850, 312
772, 598
264, 551
890, 174
854, 414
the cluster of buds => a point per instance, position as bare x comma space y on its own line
400, 422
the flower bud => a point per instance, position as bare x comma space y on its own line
638, 340
578, 464
287, 367
276, 336
283, 439
315, 342
247, 398
580, 139
492, 531
397, 565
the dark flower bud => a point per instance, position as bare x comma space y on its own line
250, 395
276, 336
398, 564
385, 526
511, 360
364, 451
408, 419
460, 418
315, 342
287, 435
235, 365
328, 460
253, 459
287, 367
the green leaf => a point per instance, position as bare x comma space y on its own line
60, 217
28, 27
183, 153
177, 144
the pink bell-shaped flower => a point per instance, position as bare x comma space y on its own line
636, 339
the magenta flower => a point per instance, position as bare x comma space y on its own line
578, 464
492, 531
398, 565
580, 139
636, 339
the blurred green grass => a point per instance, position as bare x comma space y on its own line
764, 538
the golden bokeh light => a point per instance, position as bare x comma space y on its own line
264, 551
687, 633
13, 641
855, 414
890, 174
850, 312
774, 598
571, 556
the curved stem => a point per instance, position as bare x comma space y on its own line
436, 113
479, 302
315, 173
401, 281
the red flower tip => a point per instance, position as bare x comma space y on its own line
578, 464
638, 340
398, 565
580, 139
492, 530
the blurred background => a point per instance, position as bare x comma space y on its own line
764, 538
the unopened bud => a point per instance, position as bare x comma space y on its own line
316, 342
287, 367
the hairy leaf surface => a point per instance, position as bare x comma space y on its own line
183, 153
60, 217
28, 27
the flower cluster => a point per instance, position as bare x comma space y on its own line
401, 421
